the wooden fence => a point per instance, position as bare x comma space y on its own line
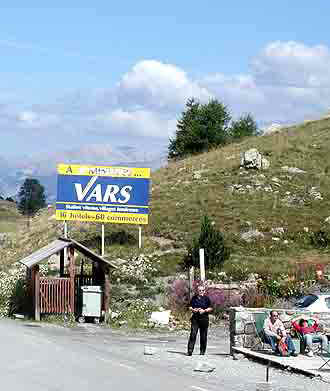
55, 296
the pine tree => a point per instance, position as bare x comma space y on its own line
245, 126
212, 241
201, 127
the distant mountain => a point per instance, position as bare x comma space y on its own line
43, 167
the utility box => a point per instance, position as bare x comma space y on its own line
91, 303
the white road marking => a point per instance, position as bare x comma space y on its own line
126, 366
199, 388
117, 363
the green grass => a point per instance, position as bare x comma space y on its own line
186, 199
10, 219
179, 201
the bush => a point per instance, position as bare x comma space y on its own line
133, 313
222, 299
13, 290
140, 269
321, 238
212, 241
178, 295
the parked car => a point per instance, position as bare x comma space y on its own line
314, 303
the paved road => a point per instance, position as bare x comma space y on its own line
88, 357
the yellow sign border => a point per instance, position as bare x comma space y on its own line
102, 217
110, 171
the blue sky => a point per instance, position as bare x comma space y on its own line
110, 79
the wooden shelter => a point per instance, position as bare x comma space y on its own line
60, 295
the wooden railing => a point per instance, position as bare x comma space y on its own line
56, 296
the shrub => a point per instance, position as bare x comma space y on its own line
178, 294
321, 238
140, 269
13, 290
133, 313
222, 299
212, 241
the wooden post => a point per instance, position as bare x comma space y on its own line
202, 264
72, 273
36, 292
62, 257
106, 292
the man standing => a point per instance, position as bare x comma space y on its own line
200, 306
274, 332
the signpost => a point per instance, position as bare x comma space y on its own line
104, 194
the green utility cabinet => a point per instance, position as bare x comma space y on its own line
91, 303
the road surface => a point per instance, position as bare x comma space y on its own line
88, 357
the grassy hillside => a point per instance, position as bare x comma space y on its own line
184, 191
213, 183
9, 217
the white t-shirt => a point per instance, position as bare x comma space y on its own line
271, 328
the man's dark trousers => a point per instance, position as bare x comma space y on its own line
200, 323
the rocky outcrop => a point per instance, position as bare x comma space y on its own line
293, 170
252, 159
252, 235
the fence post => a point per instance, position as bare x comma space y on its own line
72, 279
36, 293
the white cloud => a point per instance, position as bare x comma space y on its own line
293, 64
235, 91
288, 82
28, 117
139, 123
157, 85
32, 119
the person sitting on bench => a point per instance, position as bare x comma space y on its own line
274, 332
308, 328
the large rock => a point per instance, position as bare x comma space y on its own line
293, 170
160, 317
203, 366
253, 159
252, 235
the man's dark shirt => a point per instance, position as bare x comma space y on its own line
200, 302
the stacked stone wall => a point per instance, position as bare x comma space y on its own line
242, 328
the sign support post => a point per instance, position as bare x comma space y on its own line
102, 244
65, 249
140, 236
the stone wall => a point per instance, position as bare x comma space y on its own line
242, 330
